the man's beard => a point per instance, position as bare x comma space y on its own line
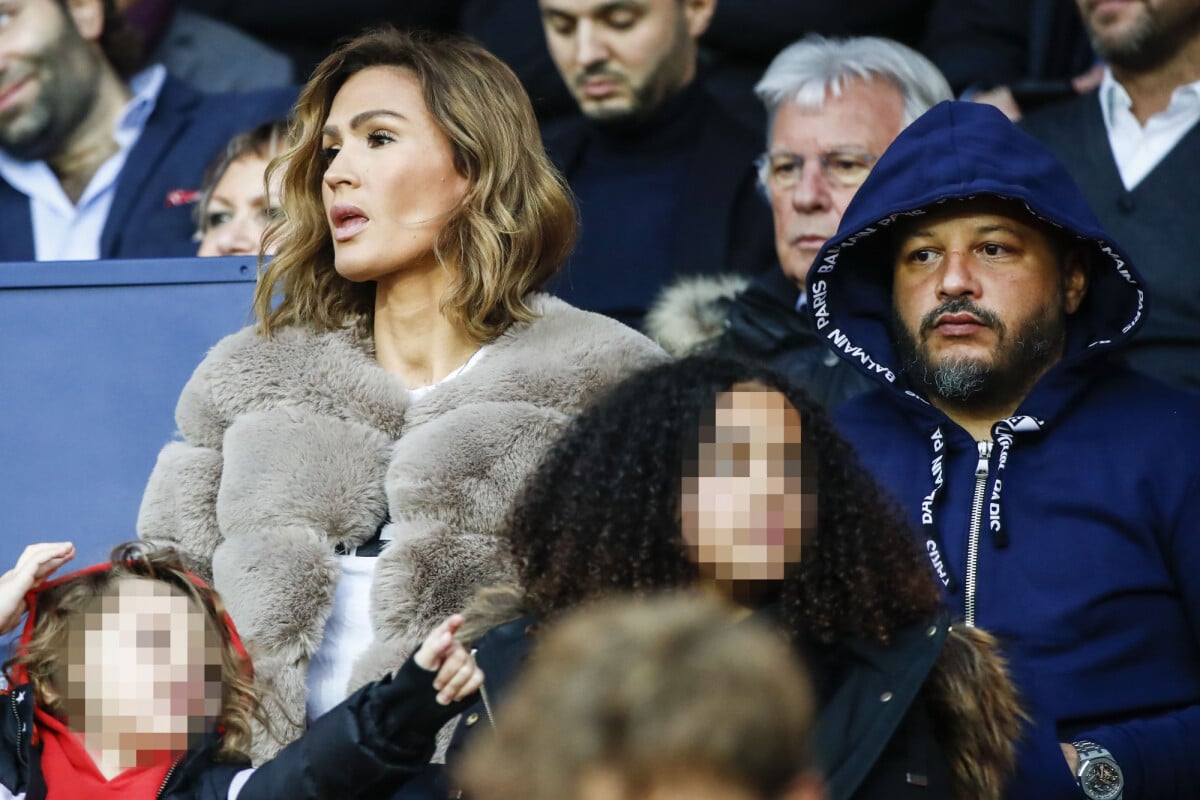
1016, 362
68, 74
662, 81
1153, 41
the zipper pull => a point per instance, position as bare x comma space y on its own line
985, 453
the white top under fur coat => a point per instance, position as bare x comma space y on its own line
295, 443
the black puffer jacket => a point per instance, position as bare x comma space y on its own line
756, 320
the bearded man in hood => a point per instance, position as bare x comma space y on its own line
1050, 483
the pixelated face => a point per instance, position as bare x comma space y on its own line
1140, 34
980, 300
144, 669
390, 181
745, 514
807, 197
48, 78
622, 58
239, 209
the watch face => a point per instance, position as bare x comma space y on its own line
1101, 780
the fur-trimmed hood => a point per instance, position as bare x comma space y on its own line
977, 713
296, 443
690, 314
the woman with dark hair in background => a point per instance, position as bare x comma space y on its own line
714, 473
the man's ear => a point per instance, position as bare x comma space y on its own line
88, 16
699, 14
1075, 279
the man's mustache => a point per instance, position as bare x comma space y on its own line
593, 71
960, 305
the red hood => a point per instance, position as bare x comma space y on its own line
18, 674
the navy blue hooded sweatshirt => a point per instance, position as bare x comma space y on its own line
1075, 535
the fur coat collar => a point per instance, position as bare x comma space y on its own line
293, 444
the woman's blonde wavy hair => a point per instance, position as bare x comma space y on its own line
508, 236
61, 608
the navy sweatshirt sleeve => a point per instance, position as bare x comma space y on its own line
1158, 754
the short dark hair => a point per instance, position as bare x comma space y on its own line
121, 42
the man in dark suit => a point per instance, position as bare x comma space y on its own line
95, 163
664, 176
1134, 148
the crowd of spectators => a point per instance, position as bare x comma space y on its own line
625, 297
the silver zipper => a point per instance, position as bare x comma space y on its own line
487, 706
167, 778
981, 476
17, 715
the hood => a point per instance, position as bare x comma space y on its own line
956, 151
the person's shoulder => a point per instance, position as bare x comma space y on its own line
200, 776
559, 359
297, 367
250, 342
563, 137
1069, 115
269, 101
241, 110
877, 409
691, 313
573, 333
1129, 394
721, 124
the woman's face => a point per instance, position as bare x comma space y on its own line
390, 182
239, 210
744, 514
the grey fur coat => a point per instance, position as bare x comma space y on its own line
293, 444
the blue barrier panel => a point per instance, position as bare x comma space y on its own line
93, 355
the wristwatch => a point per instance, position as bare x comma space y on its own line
1098, 775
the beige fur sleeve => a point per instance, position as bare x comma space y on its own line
179, 507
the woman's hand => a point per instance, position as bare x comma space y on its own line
36, 564
458, 676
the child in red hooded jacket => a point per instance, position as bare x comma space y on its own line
130, 681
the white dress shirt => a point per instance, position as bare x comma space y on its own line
1137, 149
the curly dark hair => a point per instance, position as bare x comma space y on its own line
602, 512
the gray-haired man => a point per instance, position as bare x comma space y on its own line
833, 106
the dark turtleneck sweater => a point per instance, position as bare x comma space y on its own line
638, 196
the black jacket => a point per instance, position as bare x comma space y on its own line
720, 223
874, 737
762, 324
756, 320
373, 742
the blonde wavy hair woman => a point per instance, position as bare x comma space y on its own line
347, 464
507, 234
